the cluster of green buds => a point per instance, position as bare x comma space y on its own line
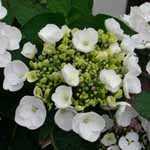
45, 71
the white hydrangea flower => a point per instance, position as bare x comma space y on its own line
3, 44
85, 40
128, 44
30, 113
5, 59
63, 118
29, 50
62, 96
113, 26
70, 75
130, 142
115, 48
113, 147
109, 139
131, 64
51, 33
15, 75
109, 123
131, 84
3, 11
88, 125
148, 67
111, 80
125, 114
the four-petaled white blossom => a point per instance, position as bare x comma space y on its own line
131, 84
114, 27
109, 139
128, 45
30, 113
15, 75
130, 142
85, 40
62, 96
125, 114
131, 65
63, 118
51, 33
3, 11
29, 50
88, 125
70, 75
111, 80
148, 67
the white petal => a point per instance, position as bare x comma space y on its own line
29, 50
109, 123
148, 67
131, 84
132, 136
131, 65
113, 26
85, 40
18, 68
63, 118
111, 80
50, 33
3, 12
70, 75
115, 48
62, 96
125, 114
113, 147
145, 8
30, 113
88, 125
128, 44
12, 87
5, 59
14, 36
123, 143
3, 44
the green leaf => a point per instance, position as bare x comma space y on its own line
24, 10
71, 141
31, 29
142, 104
59, 6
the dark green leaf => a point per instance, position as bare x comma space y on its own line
142, 104
24, 10
71, 141
59, 6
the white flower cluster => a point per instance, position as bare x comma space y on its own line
31, 112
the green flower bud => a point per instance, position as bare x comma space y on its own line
32, 76
119, 94
38, 92
46, 93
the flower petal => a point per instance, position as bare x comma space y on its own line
5, 59
63, 118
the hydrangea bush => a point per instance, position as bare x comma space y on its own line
83, 79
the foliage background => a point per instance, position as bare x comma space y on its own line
30, 16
